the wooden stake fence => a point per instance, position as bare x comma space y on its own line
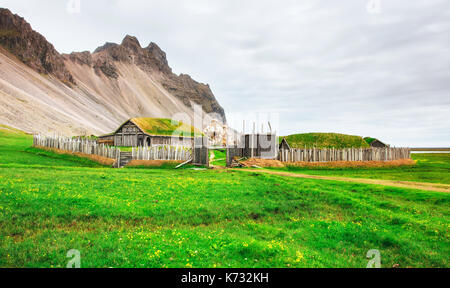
352, 154
76, 145
175, 153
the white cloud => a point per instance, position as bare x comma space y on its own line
323, 65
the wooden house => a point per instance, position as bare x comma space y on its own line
151, 132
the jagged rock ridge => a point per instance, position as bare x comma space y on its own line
31, 47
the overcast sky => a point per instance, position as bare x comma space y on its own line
322, 66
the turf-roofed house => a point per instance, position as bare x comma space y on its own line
375, 143
151, 132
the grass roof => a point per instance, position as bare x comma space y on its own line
369, 140
166, 127
326, 140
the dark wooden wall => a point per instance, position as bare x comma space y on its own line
260, 145
200, 154
378, 144
233, 152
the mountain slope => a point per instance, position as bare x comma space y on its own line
92, 93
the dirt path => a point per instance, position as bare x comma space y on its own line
394, 183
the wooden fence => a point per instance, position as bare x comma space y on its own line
352, 154
200, 154
175, 153
76, 145
232, 153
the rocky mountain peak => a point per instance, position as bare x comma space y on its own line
105, 47
155, 51
30, 47
159, 57
83, 58
150, 59
132, 43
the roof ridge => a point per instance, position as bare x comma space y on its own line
154, 126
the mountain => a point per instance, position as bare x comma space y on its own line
88, 93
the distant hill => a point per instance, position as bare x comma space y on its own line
325, 140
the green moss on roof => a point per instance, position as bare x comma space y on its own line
326, 140
166, 127
369, 140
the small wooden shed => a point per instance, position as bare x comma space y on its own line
284, 145
378, 144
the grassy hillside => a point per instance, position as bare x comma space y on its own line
16, 151
161, 126
213, 218
325, 140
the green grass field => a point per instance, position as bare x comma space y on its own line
129, 217
220, 158
434, 168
